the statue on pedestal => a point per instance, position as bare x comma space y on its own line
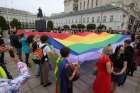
40, 22
39, 14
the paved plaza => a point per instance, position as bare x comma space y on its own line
86, 27
83, 85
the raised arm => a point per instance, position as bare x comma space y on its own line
23, 76
10, 86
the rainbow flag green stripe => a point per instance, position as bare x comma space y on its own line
85, 47
82, 42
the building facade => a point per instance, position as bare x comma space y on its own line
92, 12
77, 5
107, 15
70, 5
27, 19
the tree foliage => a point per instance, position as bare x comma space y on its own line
66, 27
73, 26
3, 23
101, 27
15, 23
80, 26
50, 25
91, 27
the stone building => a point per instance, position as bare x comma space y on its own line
27, 19
93, 12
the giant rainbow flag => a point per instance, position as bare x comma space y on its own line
84, 46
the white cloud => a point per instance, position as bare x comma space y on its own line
48, 6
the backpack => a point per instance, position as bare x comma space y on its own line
38, 55
75, 68
44, 56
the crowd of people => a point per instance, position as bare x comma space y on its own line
9, 84
112, 68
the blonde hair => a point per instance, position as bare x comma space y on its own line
107, 50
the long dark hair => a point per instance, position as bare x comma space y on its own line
117, 50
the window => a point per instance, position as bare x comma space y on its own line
83, 20
76, 21
84, 5
92, 19
91, 3
111, 18
80, 6
98, 19
96, 2
88, 4
87, 19
72, 22
69, 21
104, 19
75, 7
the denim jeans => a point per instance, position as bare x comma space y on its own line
27, 58
19, 53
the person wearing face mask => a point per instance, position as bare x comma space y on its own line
120, 66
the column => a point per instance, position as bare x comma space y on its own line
87, 4
91, 4
84, 5
79, 5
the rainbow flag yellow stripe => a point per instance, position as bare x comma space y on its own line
81, 42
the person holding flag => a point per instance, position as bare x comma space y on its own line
65, 73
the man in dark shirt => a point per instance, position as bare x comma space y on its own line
15, 42
128, 56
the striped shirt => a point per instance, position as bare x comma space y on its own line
15, 85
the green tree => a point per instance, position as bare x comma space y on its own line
50, 25
91, 27
101, 27
73, 26
80, 26
66, 27
15, 23
3, 23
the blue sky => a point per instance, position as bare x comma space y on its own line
48, 6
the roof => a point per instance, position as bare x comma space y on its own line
88, 11
14, 11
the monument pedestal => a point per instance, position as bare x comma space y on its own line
40, 25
